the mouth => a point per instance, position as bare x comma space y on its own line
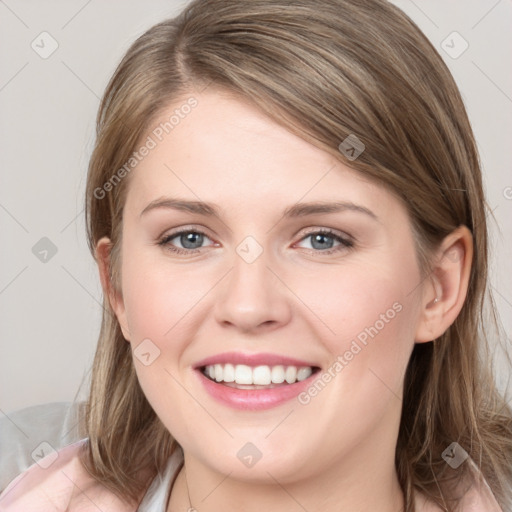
254, 381
242, 376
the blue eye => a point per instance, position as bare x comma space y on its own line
324, 241
191, 241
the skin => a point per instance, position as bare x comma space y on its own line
337, 452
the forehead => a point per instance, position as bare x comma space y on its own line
225, 151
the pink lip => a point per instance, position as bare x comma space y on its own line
253, 399
252, 360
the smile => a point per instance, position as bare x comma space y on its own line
254, 381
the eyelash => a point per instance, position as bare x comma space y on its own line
345, 243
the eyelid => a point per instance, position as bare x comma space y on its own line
187, 228
330, 231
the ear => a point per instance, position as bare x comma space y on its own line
115, 298
445, 291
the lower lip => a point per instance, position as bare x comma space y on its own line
254, 399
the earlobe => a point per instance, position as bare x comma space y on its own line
102, 254
445, 292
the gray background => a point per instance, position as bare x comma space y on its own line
50, 311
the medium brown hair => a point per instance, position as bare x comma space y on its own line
324, 70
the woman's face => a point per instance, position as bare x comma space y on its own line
224, 262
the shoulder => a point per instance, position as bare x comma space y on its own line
59, 482
422, 504
475, 495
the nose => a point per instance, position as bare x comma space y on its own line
252, 297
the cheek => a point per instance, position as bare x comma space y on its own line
367, 325
162, 302
158, 297
366, 315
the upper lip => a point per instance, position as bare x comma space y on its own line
259, 359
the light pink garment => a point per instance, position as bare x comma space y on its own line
479, 498
65, 486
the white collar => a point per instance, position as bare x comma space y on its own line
157, 495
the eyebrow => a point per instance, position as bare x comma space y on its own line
297, 210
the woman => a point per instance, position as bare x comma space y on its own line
286, 208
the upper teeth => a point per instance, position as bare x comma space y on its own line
259, 375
